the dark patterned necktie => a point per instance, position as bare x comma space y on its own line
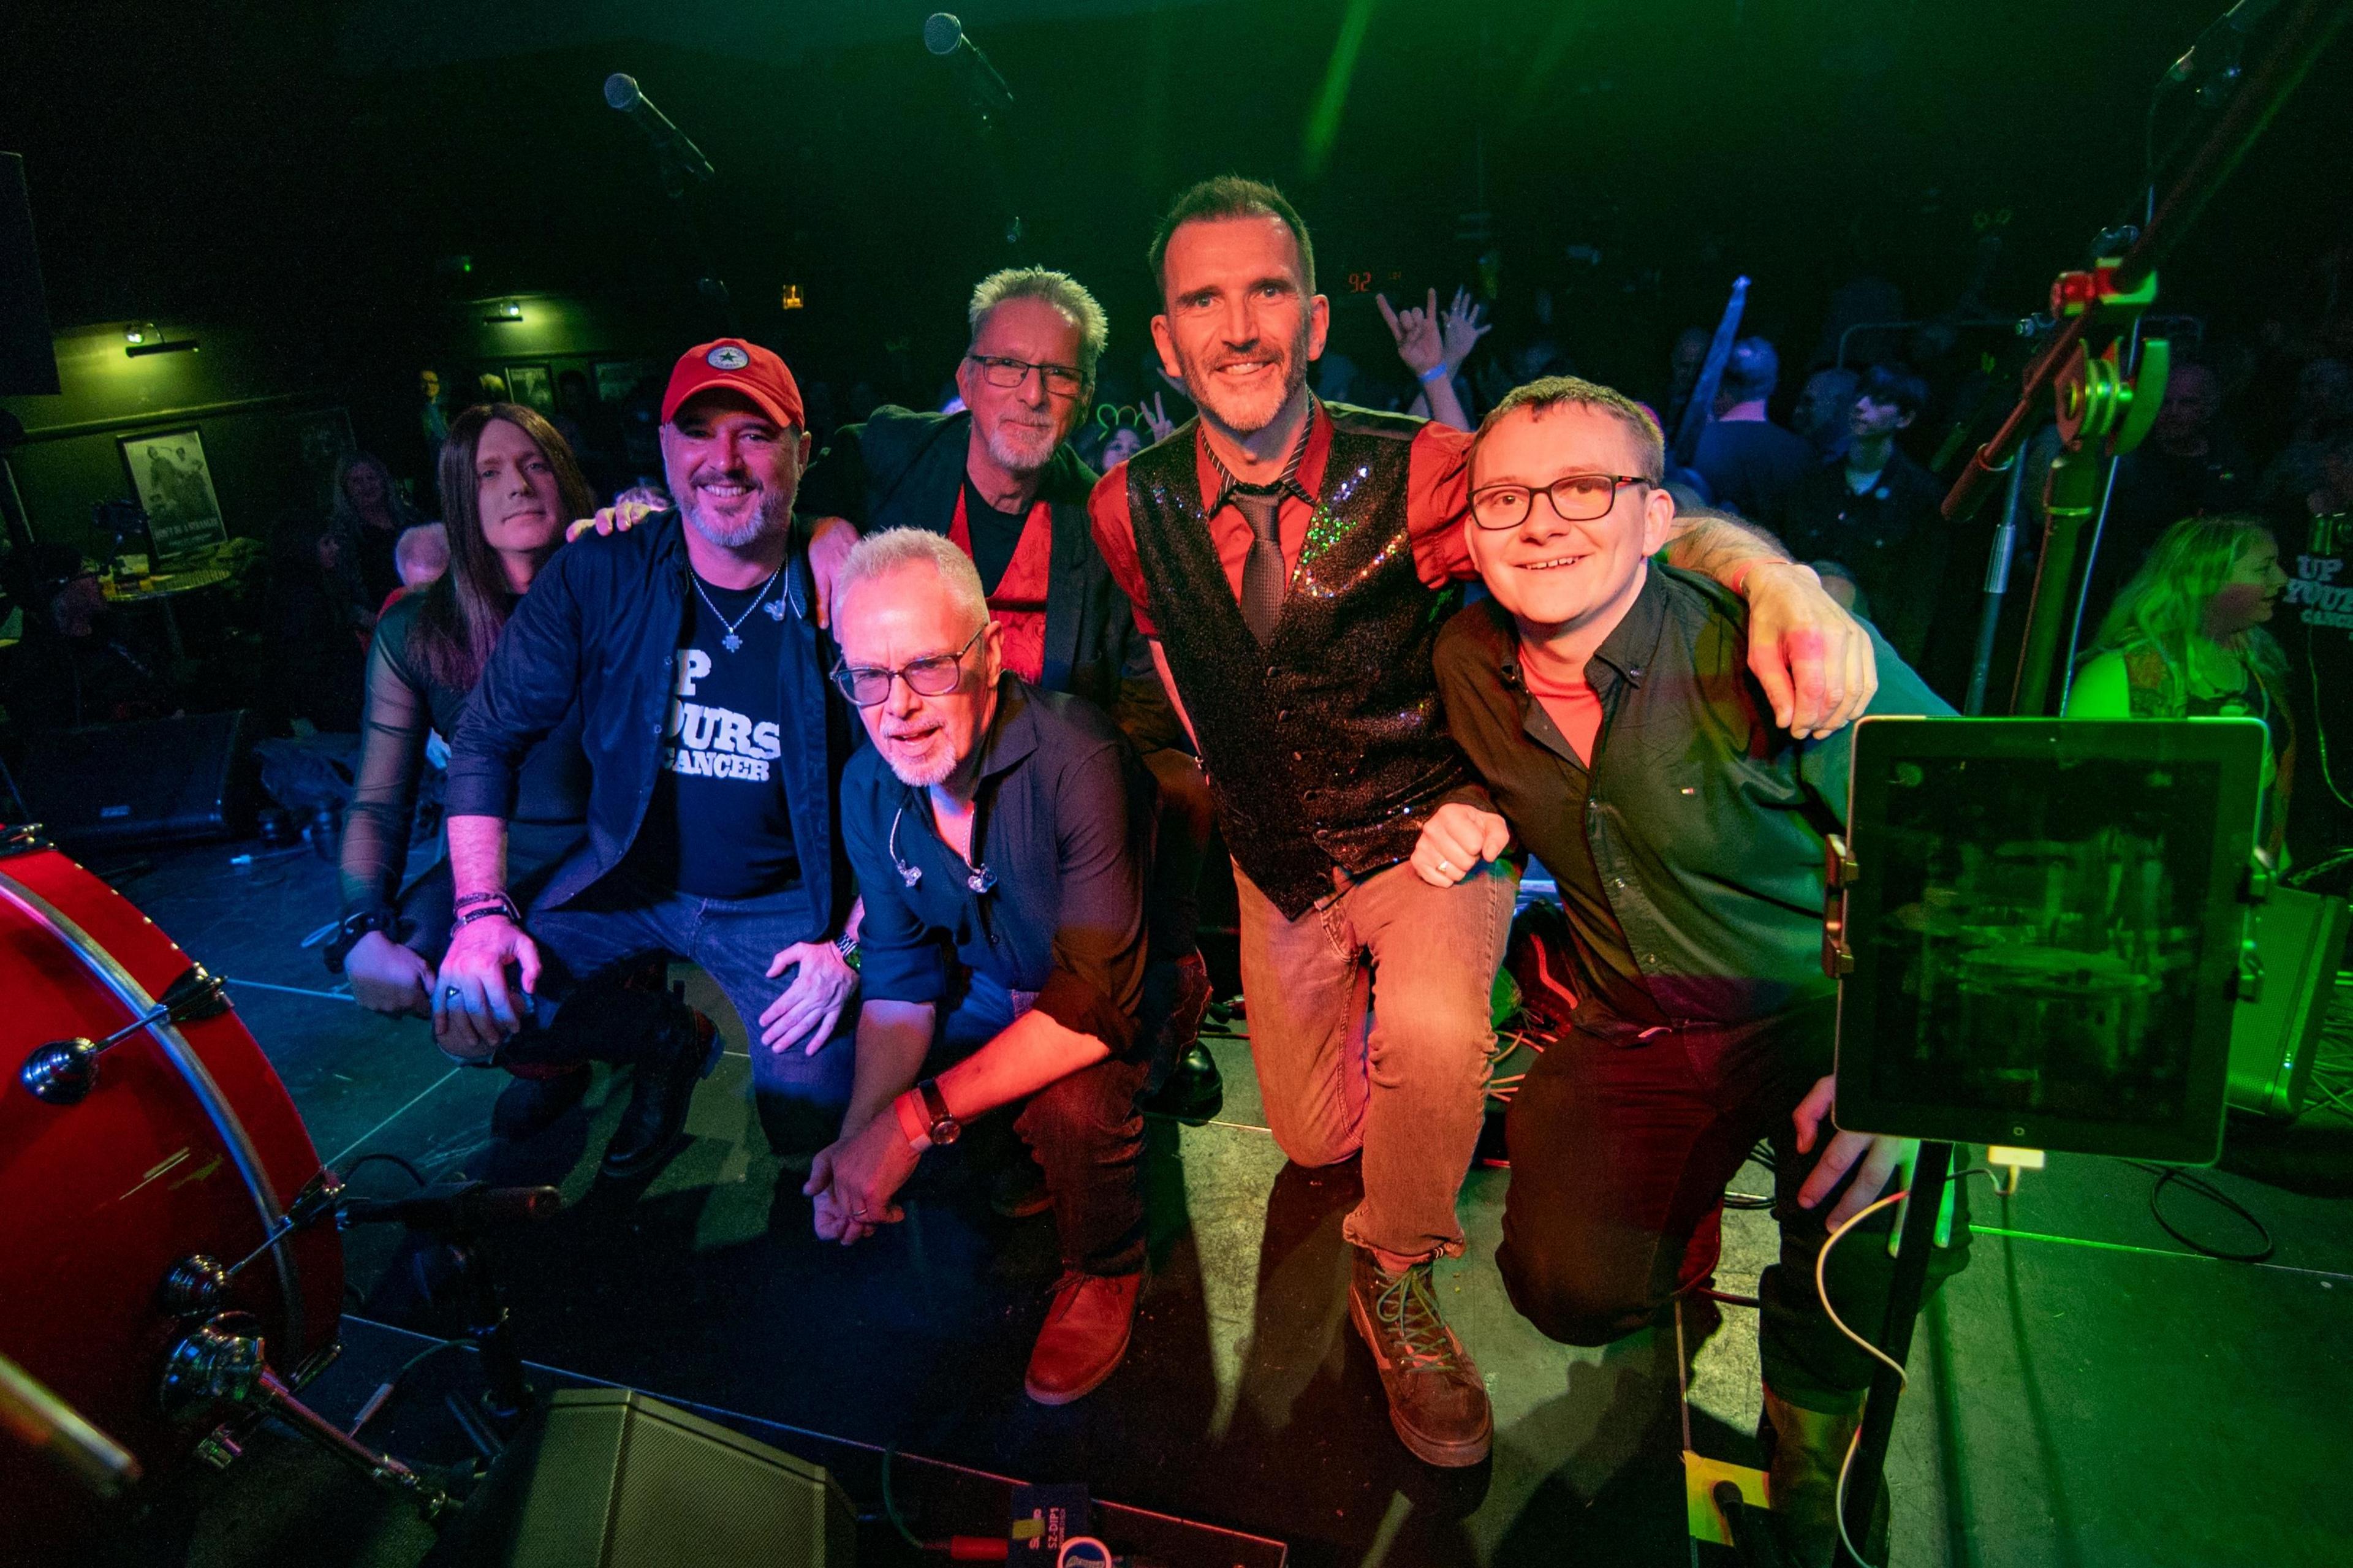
1262, 573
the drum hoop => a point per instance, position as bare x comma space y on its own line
109, 973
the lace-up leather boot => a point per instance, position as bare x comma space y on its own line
1437, 1401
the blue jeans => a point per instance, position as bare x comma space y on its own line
800, 1096
1085, 1130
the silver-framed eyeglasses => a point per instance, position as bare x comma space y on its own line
935, 674
1061, 380
1574, 498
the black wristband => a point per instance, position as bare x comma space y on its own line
348, 933
484, 906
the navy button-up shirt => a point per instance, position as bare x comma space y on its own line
1063, 828
1704, 820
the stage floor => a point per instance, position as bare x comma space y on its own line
2088, 1392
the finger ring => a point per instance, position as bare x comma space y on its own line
451, 991
857, 1213
1446, 864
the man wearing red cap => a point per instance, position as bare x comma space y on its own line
693, 647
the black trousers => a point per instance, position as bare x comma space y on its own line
1621, 1142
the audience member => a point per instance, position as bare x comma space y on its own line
1822, 411
371, 513
2186, 638
318, 625
1684, 363
2324, 411
421, 555
77, 664
2188, 465
1871, 520
1749, 462
509, 484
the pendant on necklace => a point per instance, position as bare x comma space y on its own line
731, 642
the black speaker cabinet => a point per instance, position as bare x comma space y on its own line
610, 1477
153, 781
2275, 1036
28, 365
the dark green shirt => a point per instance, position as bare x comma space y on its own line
1703, 822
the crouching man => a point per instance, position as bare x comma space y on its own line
1002, 836
1608, 704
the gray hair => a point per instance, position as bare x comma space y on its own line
1060, 290
880, 555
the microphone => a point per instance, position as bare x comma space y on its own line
944, 37
622, 93
2214, 59
474, 1207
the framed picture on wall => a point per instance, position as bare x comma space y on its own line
529, 384
618, 379
175, 487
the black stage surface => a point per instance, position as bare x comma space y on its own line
2089, 1392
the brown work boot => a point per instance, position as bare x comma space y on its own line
1085, 1336
1809, 1446
1437, 1401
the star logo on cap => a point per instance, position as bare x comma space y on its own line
727, 356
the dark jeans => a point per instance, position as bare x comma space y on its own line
1086, 1129
1621, 1148
800, 1096
1171, 900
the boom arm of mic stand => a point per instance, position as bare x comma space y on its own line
2315, 24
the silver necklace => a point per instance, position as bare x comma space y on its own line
731, 642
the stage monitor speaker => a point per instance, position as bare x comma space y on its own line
2275, 1036
28, 366
612, 1477
150, 780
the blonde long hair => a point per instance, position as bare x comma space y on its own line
2164, 605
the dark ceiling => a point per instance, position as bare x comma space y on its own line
307, 157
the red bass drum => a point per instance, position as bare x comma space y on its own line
184, 1143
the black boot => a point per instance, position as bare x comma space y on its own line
1176, 996
680, 1055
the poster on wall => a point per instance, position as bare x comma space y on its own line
529, 386
618, 379
175, 485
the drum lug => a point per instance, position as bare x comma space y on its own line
195, 1286
62, 1072
22, 839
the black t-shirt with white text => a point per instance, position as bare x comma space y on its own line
718, 826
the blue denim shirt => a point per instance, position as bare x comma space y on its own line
1706, 821
601, 624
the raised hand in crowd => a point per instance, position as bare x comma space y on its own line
387, 977
1461, 327
1155, 418
1424, 342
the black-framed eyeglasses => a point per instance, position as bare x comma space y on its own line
936, 676
1574, 498
1061, 380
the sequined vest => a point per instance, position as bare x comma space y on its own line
1327, 747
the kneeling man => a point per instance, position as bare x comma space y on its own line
1607, 701
1001, 836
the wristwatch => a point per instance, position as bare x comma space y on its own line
944, 1128
348, 932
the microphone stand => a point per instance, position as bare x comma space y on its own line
2105, 407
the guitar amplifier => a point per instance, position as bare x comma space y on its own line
2273, 1037
150, 780
606, 1476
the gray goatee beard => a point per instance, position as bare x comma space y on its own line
774, 516
935, 772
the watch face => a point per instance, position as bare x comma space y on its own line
947, 1130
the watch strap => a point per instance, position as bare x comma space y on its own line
936, 1104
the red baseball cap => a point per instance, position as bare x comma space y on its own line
738, 366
